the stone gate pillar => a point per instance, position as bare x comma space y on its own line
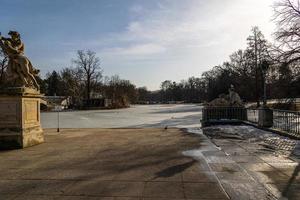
20, 124
265, 117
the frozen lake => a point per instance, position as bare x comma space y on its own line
137, 116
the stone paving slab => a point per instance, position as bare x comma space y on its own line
225, 167
164, 190
289, 191
109, 164
201, 191
159, 164
245, 190
273, 176
8, 196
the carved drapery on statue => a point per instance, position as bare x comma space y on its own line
20, 117
225, 109
20, 72
231, 99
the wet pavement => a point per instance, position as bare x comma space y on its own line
255, 165
149, 163
109, 164
149, 160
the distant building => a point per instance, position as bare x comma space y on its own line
97, 100
50, 102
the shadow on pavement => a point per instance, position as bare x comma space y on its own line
171, 171
286, 191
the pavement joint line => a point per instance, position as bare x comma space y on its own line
213, 172
102, 196
144, 188
182, 182
261, 184
72, 195
133, 181
246, 171
263, 161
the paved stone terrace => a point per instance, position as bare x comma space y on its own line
254, 170
119, 164
131, 164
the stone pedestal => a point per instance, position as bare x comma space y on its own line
20, 125
265, 117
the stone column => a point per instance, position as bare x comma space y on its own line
20, 125
265, 117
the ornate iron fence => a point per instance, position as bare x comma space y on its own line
215, 114
283, 120
288, 121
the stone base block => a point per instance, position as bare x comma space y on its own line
33, 137
20, 120
10, 142
265, 117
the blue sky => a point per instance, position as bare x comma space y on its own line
145, 41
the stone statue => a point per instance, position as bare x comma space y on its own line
20, 72
20, 98
222, 100
232, 99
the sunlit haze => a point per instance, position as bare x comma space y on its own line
144, 41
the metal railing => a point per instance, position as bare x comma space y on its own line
288, 121
221, 114
283, 120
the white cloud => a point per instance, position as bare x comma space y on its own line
135, 50
136, 9
183, 38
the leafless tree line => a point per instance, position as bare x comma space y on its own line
84, 81
287, 18
242, 70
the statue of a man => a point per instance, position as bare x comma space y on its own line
19, 70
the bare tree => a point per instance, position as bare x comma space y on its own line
259, 49
3, 65
88, 66
71, 85
121, 92
287, 17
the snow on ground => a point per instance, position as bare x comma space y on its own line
249, 163
137, 116
225, 160
279, 144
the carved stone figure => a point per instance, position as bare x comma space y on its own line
222, 100
232, 99
20, 72
20, 118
